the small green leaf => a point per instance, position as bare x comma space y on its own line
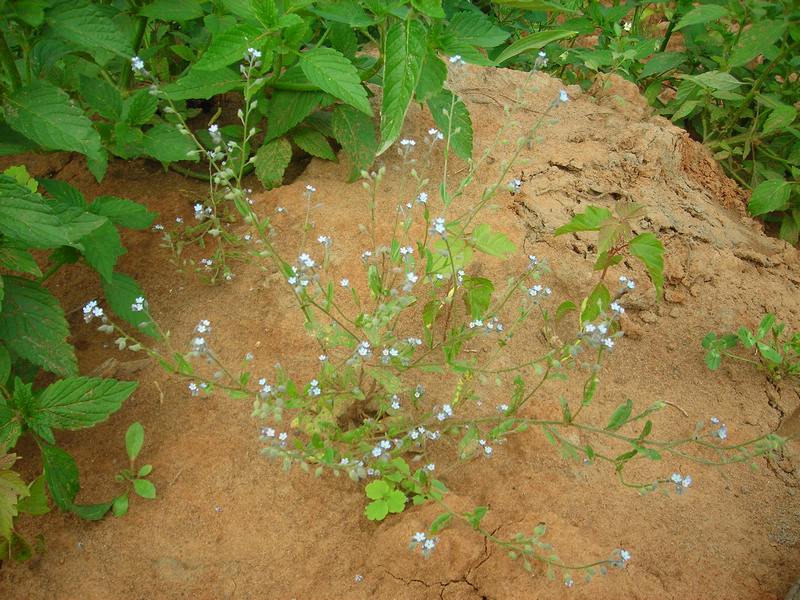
355, 131
533, 41
144, 488
145, 470
377, 510
123, 212
396, 501
172, 10
492, 242
134, 439
591, 220
120, 293
440, 522
769, 196
61, 475
595, 303
620, 416
120, 505
757, 39
198, 84
452, 118
166, 144
431, 8
770, 353
704, 13
91, 512
314, 143
333, 73
271, 162
780, 118
477, 295
36, 502
377, 489
649, 249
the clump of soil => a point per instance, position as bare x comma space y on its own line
229, 524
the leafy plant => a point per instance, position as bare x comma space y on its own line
727, 71
34, 329
769, 348
135, 478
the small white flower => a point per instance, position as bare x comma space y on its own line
422, 198
627, 26
624, 555
323, 357
311, 189
456, 60
419, 537
408, 143
324, 240
430, 467
344, 282
439, 225
562, 96
503, 408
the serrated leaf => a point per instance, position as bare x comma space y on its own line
79, 402
431, 8
313, 142
228, 47
12, 489
376, 510
144, 488
102, 248
33, 326
781, 117
134, 439
15, 259
198, 84
542, 5
166, 144
756, 39
271, 162
769, 196
476, 29
64, 192
61, 474
533, 41
102, 97
43, 113
288, 108
458, 124
662, 62
477, 295
120, 292
12, 142
620, 416
404, 52
5, 356
333, 73
492, 242
266, 11
35, 503
10, 426
123, 212
591, 220
90, 26
704, 13
139, 108
649, 249
715, 80
356, 133
172, 10
342, 11
431, 78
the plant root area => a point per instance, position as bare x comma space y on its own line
228, 523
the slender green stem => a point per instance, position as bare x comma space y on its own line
138, 37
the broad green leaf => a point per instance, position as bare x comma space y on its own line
342, 11
271, 162
134, 439
377, 510
102, 97
79, 402
313, 142
620, 416
595, 303
685, 110
144, 488
789, 231
61, 475
101, 248
20, 174
649, 249
702, 14
266, 11
769, 196
91, 26
15, 259
12, 489
36, 502
356, 133
120, 293
405, 45
477, 295
396, 501
166, 144
533, 41
780, 118
128, 141
431, 8
475, 29
541, 5
333, 73
43, 113
33, 326
91, 512
491, 242
389, 382
662, 62
756, 39
769, 353
228, 47
10, 426
377, 489
591, 220
343, 38
139, 108
64, 192
715, 80
12, 142
198, 84
287, 108
120, 505
452, 118
431, 78
172, 10
123, 212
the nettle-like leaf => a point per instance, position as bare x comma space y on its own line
172, 10
591, 220
17, 259
10, 426
61, 474
477, 295
431, 78
120, 292
271, 162
102, 248
492, 242
90, 26
32, 325
330, 70
78, 402
139, 108
228, 47
649, 249
166, 144
199, 84
405, 44
313, 142
452, 118
12, 490
123, 212
769, 196
355, 131
288, 108
102, 97
44, 114
431, 8
64, 192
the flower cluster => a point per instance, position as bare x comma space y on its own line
425, 543
681, 482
